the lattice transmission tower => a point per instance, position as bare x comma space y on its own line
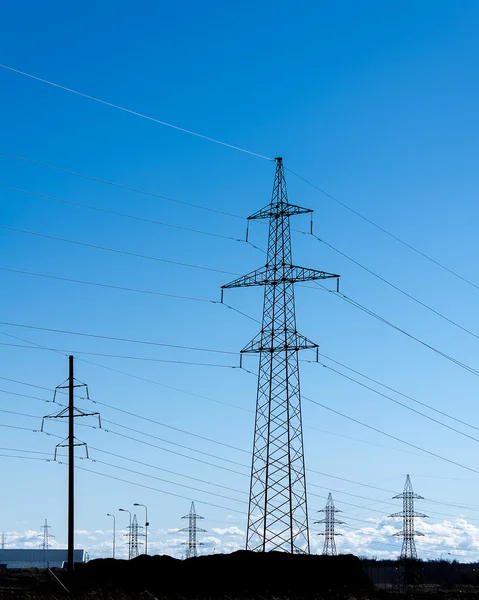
45, 545
277, 515
408, 515
2, 542
330, 521
192, 529
134, 534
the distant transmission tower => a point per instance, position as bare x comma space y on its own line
135, 534
408, 515
192, 529
2, 543
277, 516
45, 545
330, 521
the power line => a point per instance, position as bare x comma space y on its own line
129, 289
115, 250
399, 403
404, 332
389, 435
132, 112
398, 289
115, 339
118, 185
240, 464
140, 358
398, 239
125, 215
128, 481
448, 415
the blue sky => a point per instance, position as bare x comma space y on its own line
376, 104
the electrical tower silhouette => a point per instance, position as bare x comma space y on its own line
134, 534
277, 515
408, 515
192, 543
330, 521
2, 543
71, 412
45, 545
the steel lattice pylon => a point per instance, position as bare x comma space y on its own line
134, 534
330, 521
408, 515
192, 543
277, 516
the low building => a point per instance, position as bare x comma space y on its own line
26, 558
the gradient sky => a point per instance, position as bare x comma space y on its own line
375, 103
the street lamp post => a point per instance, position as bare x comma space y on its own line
444, 553
146, 525
129, 534
114, 531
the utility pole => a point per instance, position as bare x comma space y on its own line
129, 531
147, 524
192, 530
329, 523
278, 515
71, 412
71, 465
408, 572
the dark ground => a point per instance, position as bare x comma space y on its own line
239, 576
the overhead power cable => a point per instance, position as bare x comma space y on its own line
128, 216
428, 406
115, 339
116, 250
122, 356
384, 230
417, 412
404, 332
393, 437
398, 289
129, 289
132, 112
129, 482
343, 492
118, 185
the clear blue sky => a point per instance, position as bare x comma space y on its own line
376, 103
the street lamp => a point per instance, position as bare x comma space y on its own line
444, 553
146, 525
114, 531
129, 534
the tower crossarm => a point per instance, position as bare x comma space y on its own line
267, 341
278, 276
408, 495
279, 210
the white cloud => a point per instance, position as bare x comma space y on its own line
233, 530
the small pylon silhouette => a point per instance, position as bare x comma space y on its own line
408, 515
192, 543
135, 534
45, 545
330, 521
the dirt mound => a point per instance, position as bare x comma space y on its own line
240, 573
